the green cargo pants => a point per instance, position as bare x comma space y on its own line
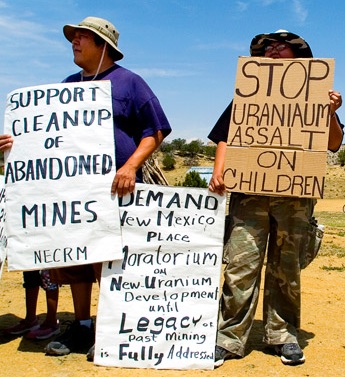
259, 223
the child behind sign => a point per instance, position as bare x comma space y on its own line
30, 326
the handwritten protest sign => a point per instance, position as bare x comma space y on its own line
58, 176
278, 136
3, 238
158, 306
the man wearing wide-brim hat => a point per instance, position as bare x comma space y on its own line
140, 125
103, 29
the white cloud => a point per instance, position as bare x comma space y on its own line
297, 6
266, 3
300, 10
242, 6
15, 27
22, 40
21, 31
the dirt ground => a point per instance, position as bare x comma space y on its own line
321, 335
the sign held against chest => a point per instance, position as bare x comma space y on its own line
279, 126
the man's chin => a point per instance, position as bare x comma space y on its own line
78, 62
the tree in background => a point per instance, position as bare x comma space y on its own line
168, 161
209, 150
178, 144
341, 157
192, 149
166, 147
193, 179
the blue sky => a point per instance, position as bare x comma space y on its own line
186, 50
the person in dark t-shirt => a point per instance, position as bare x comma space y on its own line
140, 126
259, 223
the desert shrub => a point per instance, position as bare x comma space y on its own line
168, 162
193, 179
341, 157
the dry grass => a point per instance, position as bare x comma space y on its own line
335, 182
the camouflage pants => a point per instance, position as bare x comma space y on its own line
260, 223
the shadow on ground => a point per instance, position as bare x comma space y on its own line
255, 342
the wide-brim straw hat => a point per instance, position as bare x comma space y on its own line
103, 28
298, 44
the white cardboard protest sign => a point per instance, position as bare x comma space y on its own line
158, 307
58, 176
278, 135
3, 238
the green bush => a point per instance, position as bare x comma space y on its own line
341, 157
168, 162
193, 179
